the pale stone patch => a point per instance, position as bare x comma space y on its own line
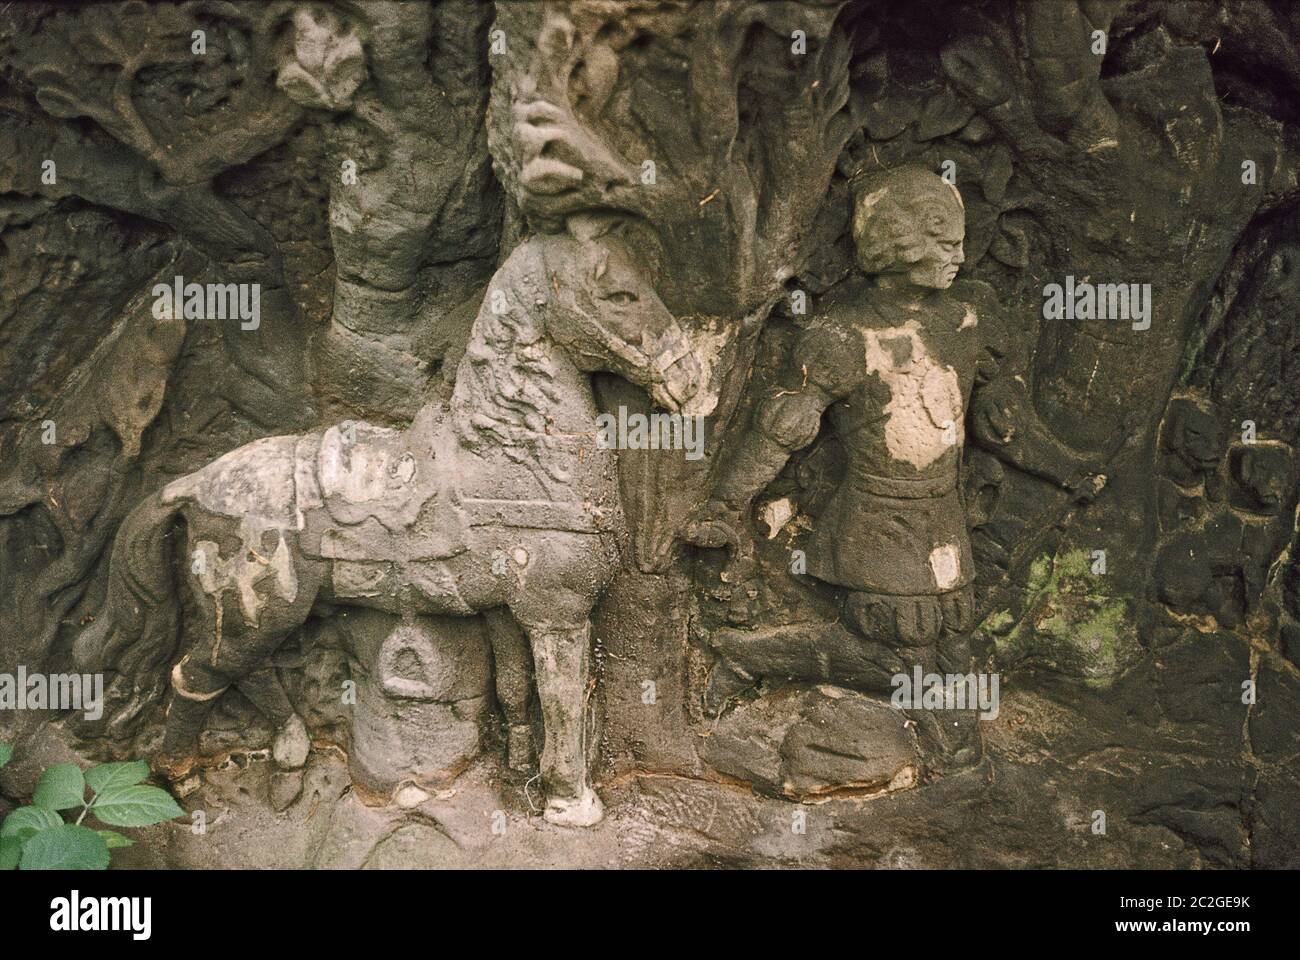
242, 573
925, 407
945, 564
292, 745
903, 780
707, 343
253, 483
410, 797
776, 514
366, 471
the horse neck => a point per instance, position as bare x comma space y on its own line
515, 386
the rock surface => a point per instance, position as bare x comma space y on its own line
1121, 535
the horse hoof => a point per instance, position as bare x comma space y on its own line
584, 811
292, 745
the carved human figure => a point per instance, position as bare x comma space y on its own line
896, 356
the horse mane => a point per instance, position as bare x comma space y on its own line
506, 382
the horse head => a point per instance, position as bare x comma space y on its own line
608, 316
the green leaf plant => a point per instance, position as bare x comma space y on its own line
37, 837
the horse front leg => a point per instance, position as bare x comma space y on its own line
514, 684
561, 659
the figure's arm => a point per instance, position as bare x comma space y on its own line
783, 423
1003, 418
1049, 99
1005, 423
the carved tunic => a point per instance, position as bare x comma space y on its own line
899, 381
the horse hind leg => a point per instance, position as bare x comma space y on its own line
292, 742
232, 646
195, 688
514, 684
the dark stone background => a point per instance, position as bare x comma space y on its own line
1122, 692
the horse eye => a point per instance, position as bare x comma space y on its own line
621, 297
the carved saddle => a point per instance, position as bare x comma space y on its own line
370, 493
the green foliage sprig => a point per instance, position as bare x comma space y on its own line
37, 837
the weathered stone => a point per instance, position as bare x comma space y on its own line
292, 745
803, 743
286, 787
370, 547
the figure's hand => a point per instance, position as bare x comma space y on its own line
560, 157
792, 420
538, 126
993, 419
328, 64
718, 524
1088, 480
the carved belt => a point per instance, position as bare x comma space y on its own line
533, 514
918, 488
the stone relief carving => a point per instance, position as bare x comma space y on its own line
895, 358
374, 551
502, 499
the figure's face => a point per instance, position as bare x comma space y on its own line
1264, 473
937, 269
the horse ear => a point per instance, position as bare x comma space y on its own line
602, 264
590, 225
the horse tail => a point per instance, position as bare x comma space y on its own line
135, 632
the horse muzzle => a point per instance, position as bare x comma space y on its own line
679, 377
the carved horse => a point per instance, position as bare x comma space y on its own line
500, 501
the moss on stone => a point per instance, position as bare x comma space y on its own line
1068, 624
